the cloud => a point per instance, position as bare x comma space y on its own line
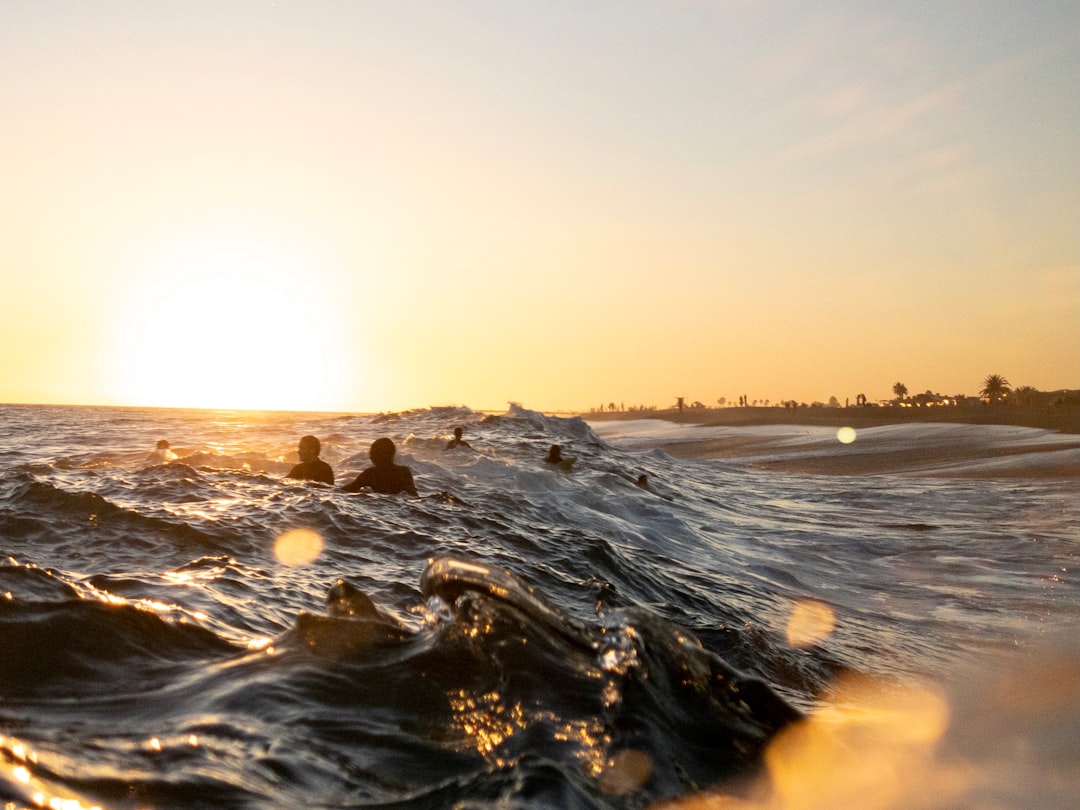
875, 126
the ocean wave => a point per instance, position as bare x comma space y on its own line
517, 635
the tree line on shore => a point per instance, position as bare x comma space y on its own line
995, 390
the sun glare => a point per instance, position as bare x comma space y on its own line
228, 325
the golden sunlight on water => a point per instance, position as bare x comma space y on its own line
486, 722
16, 764
298, 547
1005, 737
860, 750
870, 747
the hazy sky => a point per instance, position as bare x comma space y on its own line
381, 205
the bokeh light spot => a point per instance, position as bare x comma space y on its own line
845, 435
865, 748
298, 547
625, 772
809, 623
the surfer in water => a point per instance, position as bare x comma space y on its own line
311, 467
457, 441
384, 477
555, 456
162, 454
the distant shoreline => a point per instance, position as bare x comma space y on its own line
1065, 419
950, 455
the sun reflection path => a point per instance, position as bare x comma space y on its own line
487, 722
18, 781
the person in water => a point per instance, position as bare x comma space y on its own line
555, 456
162, 453
311, 467
384, 477
457, 441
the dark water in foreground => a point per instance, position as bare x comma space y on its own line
538, 637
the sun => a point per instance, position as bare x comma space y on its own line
227, 324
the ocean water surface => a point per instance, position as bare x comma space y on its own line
202, 632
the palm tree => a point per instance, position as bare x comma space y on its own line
995, 387
1025, 394
900, 390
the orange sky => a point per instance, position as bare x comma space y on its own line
376, 206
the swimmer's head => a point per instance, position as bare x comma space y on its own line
382, 452
163, 445
309, 448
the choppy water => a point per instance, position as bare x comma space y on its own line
540, 637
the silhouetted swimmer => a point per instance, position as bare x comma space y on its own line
385, 477
643, 481
555, 456
311, 467
457, 441
161, 453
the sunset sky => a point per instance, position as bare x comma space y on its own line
368, 206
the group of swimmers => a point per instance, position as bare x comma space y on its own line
384, 476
